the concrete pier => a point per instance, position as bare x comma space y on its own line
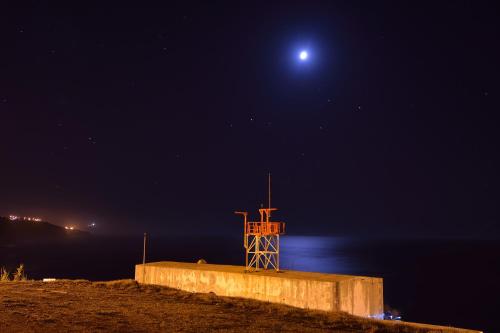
357, 295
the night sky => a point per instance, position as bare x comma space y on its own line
168, 118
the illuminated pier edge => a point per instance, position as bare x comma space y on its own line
357, 295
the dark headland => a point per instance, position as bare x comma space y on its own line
23, 231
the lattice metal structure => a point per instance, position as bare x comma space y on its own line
261, 239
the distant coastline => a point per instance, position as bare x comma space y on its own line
13, 232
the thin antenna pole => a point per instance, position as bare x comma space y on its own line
144, 250
144, 260
269, 191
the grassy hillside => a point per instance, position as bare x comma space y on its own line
125, 306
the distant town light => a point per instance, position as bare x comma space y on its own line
24, 218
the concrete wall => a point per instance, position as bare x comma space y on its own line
362, 296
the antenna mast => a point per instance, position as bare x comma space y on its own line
261, 239
269, 189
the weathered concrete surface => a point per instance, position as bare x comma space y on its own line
358, 295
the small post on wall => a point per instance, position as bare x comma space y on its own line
144, 251
144, 259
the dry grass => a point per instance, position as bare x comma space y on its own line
125, 306
118, 284
4, 274
19, 274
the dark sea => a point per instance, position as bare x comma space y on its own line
445, 282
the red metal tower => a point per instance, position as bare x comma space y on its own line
261, 240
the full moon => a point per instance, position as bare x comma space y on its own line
303, 55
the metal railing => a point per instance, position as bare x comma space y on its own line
265, 228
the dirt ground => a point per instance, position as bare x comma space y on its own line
125, 306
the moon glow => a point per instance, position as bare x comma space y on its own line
303, 55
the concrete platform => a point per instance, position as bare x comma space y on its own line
357, 295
